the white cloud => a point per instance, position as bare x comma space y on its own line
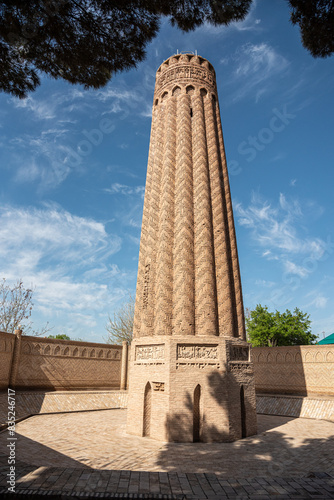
62, 255
320, 302
256, 68
42, 110
279, 232
28, 173
265, 283
317, 298
292, 268
117, 188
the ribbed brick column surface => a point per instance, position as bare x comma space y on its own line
188, 278
189, 332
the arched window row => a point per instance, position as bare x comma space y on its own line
189, 90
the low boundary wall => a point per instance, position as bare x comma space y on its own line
36, 363
29, 403
296, 406
300, 370
7, 342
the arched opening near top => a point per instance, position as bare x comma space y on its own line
176, 90
243, 412
190, 90
147, 410
197, 415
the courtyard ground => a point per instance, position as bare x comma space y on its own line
90, 453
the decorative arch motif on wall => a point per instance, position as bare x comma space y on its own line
26, 348
190, 89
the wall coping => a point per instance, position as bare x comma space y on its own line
46, 340
312, 346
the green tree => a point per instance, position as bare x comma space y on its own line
266, 328
15, 309
60, 336
120, 327
316, 20
88, 41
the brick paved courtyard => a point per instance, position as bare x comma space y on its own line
89, 452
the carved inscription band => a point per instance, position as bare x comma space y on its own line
150, 352
193, 74
186, 351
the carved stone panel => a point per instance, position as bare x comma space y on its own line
150, 353
200, 356
199, 352
194, 74
158, 386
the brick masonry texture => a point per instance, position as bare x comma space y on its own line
29, 403
53, 364
191, 377
300, 370
296, 406
7, 342
90, 454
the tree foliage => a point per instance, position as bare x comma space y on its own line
316, 20
59, 336
271, 329
87, 41
16, 307
120, 328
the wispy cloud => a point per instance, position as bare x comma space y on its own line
278, 232
265, 283
41, 110
256, 68
317, 299
117, 188
65, 256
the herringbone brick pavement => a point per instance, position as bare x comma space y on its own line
90, 452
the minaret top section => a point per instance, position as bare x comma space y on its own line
183, 69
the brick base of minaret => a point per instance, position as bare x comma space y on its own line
201, 389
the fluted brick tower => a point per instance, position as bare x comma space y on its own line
191, 378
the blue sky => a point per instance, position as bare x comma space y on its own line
73, 167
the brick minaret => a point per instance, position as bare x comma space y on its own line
191, 378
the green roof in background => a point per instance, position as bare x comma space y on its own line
327, 340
